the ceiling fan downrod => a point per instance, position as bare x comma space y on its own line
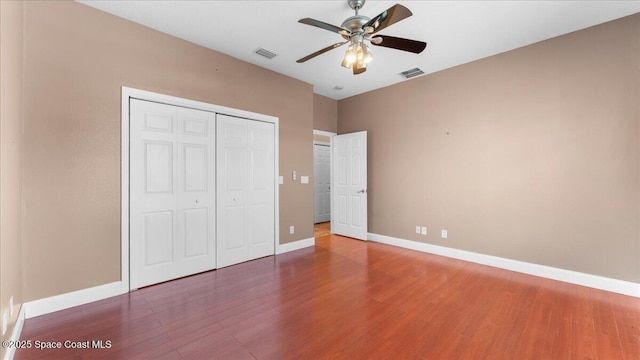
356, 4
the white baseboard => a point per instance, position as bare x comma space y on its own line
15, 334
295, 245
71, 299
84, 296
573, 277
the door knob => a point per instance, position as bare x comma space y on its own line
363, 191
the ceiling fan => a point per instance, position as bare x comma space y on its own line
359, 28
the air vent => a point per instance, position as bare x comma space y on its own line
411, 73
266, 53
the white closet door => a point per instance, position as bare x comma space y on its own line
246, 189
322, 182
172, 180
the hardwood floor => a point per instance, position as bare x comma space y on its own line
322, 229
348, 299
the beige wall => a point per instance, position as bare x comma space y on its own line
76, 60
322, 138
325, 113
11, 14
532, 155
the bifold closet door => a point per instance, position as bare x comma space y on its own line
245, 171
172, 192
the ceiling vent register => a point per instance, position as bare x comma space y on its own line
411, 73
265, 53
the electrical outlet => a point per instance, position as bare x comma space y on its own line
423, 231
443, 234
292, 229
417, 229
5, 321
11, 306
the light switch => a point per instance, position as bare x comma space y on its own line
294, 176
423, 230
280, 180
304, 179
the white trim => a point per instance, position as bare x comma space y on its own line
295, 245
324, 133
15, 334
128, 93
568, 276
124, 189
74, 298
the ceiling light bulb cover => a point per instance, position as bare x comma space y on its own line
368, 57
345, 63
350, 56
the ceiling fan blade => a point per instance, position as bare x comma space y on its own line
321, 51
413, 46
324, 25
388, 17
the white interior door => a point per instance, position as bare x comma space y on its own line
172, 192
322, 182
349, 184
246, 189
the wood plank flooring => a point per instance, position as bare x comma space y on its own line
348, 299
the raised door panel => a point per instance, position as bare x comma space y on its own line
158, 238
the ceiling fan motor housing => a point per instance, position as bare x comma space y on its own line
355, 23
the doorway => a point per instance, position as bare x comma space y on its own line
322, 177
322, 183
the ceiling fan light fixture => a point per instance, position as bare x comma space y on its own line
358, 29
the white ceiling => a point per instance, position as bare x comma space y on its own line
456, 32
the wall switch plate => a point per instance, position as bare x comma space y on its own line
294, 176
5, 321
280, 180
443, 234
417, 229
423, 231
11, 306
292, 229
304, 179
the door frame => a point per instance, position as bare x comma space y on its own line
327, 144
330, 135
128, 93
